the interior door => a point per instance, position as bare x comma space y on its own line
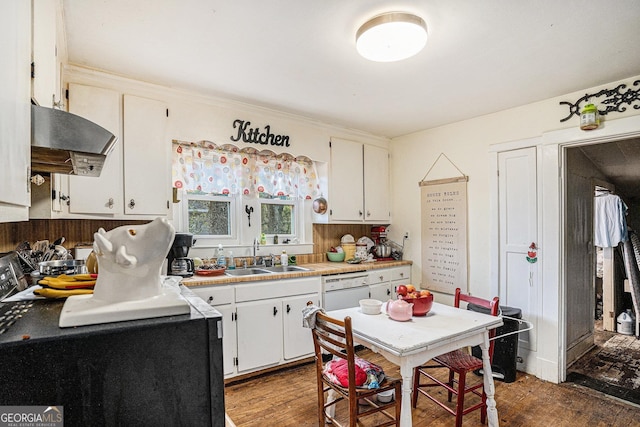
518, 219
579, 256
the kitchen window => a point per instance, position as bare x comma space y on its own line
279, 217
209, 215
219, 183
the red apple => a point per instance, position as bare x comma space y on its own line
402, 290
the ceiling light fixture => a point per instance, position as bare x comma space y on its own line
391, 36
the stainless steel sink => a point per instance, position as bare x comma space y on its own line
247, 271
286, 268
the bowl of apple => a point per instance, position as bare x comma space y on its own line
422, 300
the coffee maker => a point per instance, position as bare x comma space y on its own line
177, 262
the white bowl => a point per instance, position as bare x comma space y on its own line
385, 396
370, 306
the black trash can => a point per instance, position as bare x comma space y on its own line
505, 351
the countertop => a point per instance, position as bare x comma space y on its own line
316, 269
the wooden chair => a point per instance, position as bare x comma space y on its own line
335, 337
457, 362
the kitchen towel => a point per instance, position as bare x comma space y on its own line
309, 315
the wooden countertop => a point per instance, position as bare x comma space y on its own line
316, 269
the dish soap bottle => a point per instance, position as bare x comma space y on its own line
284, 259
263, 239
221, 259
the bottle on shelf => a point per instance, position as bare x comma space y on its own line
263, 239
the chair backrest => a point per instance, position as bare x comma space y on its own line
492, 305
336, 338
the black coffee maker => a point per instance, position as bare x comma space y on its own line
177, 262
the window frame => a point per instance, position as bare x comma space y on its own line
295, 217
234, 219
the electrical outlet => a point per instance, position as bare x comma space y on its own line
406, 234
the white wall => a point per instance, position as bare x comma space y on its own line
467, 145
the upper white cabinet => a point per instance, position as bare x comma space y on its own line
136, 177
358, 183
147, 161
46, 71
103, 194
15, 109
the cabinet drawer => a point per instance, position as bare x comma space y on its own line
215, 295
379, 276
277, 288
401, 273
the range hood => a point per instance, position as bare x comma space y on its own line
63, 142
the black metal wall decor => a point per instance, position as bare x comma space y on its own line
256, 135
614, 100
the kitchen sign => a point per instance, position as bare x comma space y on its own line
444, 234
256, 135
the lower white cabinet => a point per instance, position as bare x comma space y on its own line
262, 321
222, 298
383, 282
400, 276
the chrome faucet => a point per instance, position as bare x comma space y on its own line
256, 246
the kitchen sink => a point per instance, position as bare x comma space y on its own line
247, 271
286, 268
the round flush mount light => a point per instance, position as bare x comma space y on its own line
391, 36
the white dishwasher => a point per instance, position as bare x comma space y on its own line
344, 290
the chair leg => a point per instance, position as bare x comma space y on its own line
416, 383
460, 400
331, 396
451, 376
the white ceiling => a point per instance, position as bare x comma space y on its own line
299, 55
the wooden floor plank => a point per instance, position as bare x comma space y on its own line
288, 399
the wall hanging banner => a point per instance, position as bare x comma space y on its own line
444, 234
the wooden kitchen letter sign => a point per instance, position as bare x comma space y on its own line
444, 234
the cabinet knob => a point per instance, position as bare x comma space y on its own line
210, 299
388, 291
288, 308
368, 213
401, 274
359, 213
132, 204
381, 278
110, 203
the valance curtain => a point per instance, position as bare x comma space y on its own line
207, 168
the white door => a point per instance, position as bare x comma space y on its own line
147, 164
518, 217
259, 326
297, 339
103, 194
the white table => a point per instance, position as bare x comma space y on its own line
412, 343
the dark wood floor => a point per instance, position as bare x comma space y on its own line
288, 399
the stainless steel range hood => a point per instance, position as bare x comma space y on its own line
63, 142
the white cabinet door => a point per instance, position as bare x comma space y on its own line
103, 194
228, 338
15, 109
376, 184
346, 181
380, 291
45, 62
146, 150
259, 327
297, 339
